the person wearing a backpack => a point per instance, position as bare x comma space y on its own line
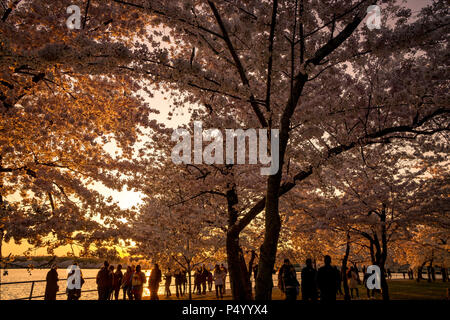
153, 282
138, 279
288, 280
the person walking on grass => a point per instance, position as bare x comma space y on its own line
309, 282
204, 279
225, 272
287, 278
154, 280
219, 279
184, 280
353, 282
168, 281
197, 281
210, 280
179, 283
326, 280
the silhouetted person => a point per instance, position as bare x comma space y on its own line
111, 282
154, 280
138, 279
352, 279
168, 281
309, 282
197, 281
178, 283
103, 282
225, 271
51, 286
210, 280
126, 284
444, 274
204, 279
183, 280
287, 278
117, 281
326, 280
219, 278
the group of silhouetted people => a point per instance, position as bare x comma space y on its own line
324, 283
204, 278
110, 282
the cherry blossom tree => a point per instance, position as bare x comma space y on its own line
68, 125
312, 70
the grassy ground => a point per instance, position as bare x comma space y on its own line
398, 290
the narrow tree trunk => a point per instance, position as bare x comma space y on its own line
347, 296
383, 255
189, 275
250, 266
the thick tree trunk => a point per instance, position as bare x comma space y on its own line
268, 250
240, 288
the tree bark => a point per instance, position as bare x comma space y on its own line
347, 296
240, 287
268, 250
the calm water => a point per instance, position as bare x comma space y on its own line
22, 290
